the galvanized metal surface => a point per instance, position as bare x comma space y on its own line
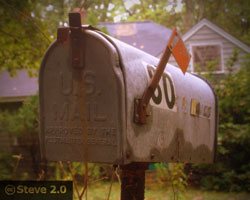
172, 133
62, 135
115, 74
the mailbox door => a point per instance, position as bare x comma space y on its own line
82, 109
182, 115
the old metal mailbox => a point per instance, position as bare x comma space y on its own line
87, 105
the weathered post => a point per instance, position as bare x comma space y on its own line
133, 181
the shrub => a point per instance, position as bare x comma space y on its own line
231, 172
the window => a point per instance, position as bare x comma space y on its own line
207, 57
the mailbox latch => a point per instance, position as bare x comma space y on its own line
76, 34
76, 39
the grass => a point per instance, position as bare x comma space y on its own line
99, 191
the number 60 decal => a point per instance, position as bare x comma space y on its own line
164, 95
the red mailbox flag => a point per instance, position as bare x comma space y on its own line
181, 55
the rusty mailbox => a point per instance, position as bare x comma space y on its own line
89, 84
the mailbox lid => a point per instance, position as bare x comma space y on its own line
82, 110
182, 122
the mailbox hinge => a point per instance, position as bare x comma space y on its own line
62, 35
76, 34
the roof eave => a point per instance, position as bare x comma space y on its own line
218, 30
12, 99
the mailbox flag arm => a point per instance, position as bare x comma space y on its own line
176, 46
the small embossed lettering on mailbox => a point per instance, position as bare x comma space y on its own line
81, 108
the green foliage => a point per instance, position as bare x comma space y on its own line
232, 16
162, 12
234, 95
22, 37
6, 166
95, 172
24, 124
228, 14
24, 121
231, 171
27, 28
171, 175
9, 166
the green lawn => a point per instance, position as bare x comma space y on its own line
99, 191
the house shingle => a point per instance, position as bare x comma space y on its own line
146, 35
17, 88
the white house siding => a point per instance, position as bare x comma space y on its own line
206, 35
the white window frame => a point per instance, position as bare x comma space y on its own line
207, 44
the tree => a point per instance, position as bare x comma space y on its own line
163, 12
27, 28
23, 37
232, 16
231, 169
24, 124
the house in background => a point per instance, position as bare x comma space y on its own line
207, 42
16, 89
13, 92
